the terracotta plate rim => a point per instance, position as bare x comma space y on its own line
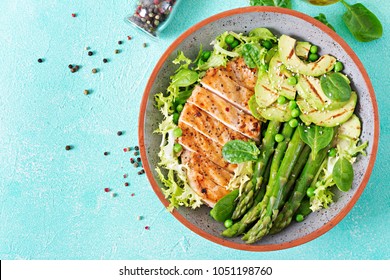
260, 247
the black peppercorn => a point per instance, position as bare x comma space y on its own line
40, 60
90, 53
105, 60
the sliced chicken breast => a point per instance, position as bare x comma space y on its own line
225, 112
202, 180
218, 81
242, 74
195, 141
209, 126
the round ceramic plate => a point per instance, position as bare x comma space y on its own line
279, 21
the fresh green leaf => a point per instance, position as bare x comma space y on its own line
182, 96
362, 23
184, 78
176, 186
262, 33
237, 151
242, 174
251, 55
182, 60
224, 208
276, 3
215, 60
336, 87
343, 174
321, 17
317, 137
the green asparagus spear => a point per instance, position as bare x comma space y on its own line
263, 185
310, 170
248, 192
295, 174
303, 210
287, 132
270, 203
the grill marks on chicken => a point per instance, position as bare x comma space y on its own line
206, 178
225, 112
216, 113
196, 142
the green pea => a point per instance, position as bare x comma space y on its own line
313, 49
228, 223
332, 152
229, 39
282, 100
292, 81
313, 57
292, 104
338, 66
295, 112
206, 55
264, 67
177, 148
293, 122
279, 138
310, 192
176, 118
177, 132
299, 218
179, 108
267, 44
235, 43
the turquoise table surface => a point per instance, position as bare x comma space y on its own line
52, 201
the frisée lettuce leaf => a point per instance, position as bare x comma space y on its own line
177, 190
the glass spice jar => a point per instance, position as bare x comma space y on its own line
152, 16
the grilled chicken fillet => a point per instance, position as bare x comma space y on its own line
209, 126
214, 114
206, 178
225, 112
195, 141
218, 81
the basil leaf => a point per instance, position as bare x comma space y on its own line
184, 78
321, 17
362, 23
336, 87
276, 3
251, 55
237, 151
343, 174
317, 137
224, 208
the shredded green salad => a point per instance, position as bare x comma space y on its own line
258, 48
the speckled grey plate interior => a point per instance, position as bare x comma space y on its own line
279, 21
